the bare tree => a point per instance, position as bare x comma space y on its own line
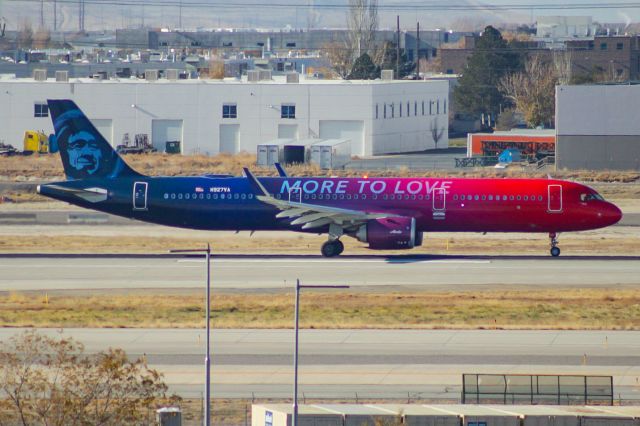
362, 23
51, 381
436, 132
533, 91
562, 62
340, 57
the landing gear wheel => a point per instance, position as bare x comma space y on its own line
339, 247
332, 248
555, 250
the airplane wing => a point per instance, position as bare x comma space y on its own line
312, 215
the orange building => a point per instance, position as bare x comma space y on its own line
527, 141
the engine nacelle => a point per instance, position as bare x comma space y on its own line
390, 233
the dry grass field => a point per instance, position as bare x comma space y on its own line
512, 309
18, 168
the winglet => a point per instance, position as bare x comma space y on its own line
281, 171
255, 182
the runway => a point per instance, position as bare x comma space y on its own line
372, 363
252, 273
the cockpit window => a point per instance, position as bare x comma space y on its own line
591, 197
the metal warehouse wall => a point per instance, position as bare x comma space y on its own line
597, 127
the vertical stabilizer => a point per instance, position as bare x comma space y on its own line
85, 152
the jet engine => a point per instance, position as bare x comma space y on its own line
390, 233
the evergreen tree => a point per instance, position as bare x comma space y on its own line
364, 69
389, 61
477, 91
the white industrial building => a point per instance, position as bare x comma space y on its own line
213, 116
597, 127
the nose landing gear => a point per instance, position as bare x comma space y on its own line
332, 248
555, 250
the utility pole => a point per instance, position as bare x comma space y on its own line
42, 14
207, 357
398, 50
180, 15
418, 50
55, 15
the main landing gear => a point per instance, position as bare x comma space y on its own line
555, 250
332, 248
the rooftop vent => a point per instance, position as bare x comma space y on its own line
40, 75
253, 76
151, 75
387, 75
265, 74
172, 74
62, 76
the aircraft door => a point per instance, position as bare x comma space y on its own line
555, 199
295, 195
439, 203
140, 195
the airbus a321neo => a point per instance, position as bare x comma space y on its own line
385, 213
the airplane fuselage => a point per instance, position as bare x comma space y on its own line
437, 204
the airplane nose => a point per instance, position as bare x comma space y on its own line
610, 214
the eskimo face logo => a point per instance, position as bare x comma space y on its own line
84, 152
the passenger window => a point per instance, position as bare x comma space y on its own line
490, 197
539, 197
455, 197
385, 197
504, 198
355, 196
215, 196
476, 198
484, 197
187, 196
335, 196
348, 196
342, 196
208, 196
413, 197
526, 198
314, 196
426, 197
518, 198
222, 196
201, 196
173, 196
243, 196
251, 196
420, 197
364, 196
236, 196
462, 197
166, 196
511, 197
374, 197
179, 196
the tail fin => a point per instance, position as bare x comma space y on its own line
85, 152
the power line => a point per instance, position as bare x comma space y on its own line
421, 6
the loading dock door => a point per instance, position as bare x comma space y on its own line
105, 127
344, 129
230, 138
163, 131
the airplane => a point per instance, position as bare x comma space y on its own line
385, 213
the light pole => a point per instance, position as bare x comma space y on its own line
207, 357
295, 350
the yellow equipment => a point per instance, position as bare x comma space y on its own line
35, 142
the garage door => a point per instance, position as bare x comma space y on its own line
105, 127
163, 131
339, 129
230, 138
